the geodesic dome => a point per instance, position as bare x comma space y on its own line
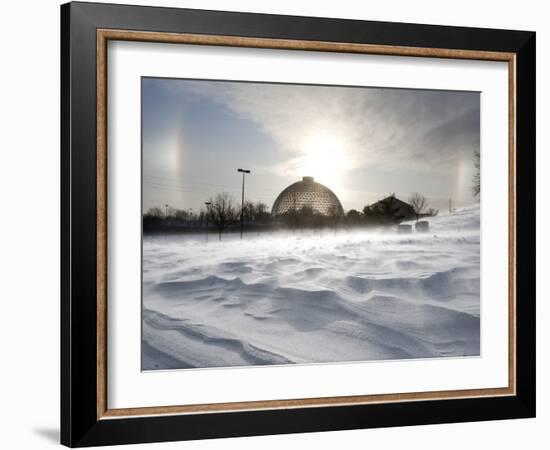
307, 193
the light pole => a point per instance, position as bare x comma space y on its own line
207, 204
166, 211
244, 171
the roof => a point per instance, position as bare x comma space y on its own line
392, 206
393, 199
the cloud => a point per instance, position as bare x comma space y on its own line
362, 142
373, 126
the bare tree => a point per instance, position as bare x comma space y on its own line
261, 212
334, 217
249, 211
476, 180
255, 212
155, 212
418, 203
153, 219
261, 209
354, 218
432, 212
222, 211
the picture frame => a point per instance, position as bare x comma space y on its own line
86, 29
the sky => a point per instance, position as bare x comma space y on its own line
363, 143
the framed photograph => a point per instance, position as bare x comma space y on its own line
277, 224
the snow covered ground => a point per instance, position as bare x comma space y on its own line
312, 297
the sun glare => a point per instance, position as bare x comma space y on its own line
325, 157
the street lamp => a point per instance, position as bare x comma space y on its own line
244, 171
207, 204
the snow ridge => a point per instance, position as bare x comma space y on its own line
312, 297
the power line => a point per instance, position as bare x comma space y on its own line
186, 180
198, 191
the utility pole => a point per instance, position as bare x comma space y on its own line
244, 171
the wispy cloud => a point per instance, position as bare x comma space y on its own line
382, 127
362, 142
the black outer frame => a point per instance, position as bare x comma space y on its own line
79, 424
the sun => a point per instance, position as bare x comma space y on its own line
325, 156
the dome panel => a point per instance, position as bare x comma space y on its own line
310, 194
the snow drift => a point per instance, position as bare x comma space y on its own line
312, 297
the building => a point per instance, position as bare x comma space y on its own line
392, 207
307, 194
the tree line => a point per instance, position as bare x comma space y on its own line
221, 213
